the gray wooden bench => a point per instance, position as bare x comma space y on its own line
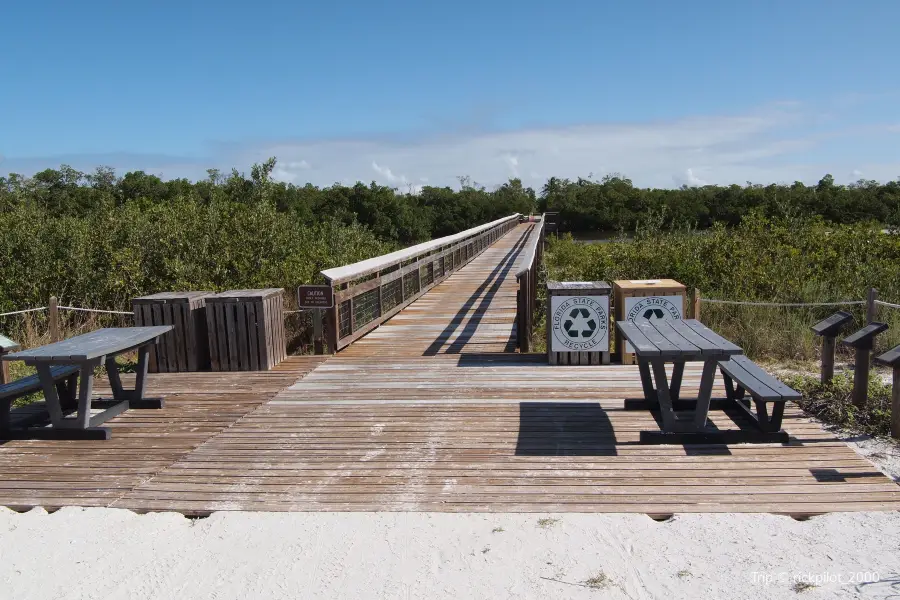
65, 378
743, 376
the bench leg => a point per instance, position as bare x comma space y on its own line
66, 390
647, 382
135, 397
663, 397
675, 383
5, 406
85, 389
766, 422
701, 412
51, 397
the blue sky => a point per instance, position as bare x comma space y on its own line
408, 93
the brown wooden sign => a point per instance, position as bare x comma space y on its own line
315, 296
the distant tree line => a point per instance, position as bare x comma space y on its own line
613, 203
584, 205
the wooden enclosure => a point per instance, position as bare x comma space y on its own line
577, 288
624, 289
184, 349
369, 292
246, 329
527, 276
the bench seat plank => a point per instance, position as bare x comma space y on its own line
32, 383
760, 384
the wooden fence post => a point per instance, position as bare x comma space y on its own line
871, 307
696, 305
54, 319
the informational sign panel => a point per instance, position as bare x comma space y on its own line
579, 323
649, 308
315, 296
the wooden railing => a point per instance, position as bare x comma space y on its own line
527, 276
370, 292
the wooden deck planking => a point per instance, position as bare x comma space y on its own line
435, 411
144, 442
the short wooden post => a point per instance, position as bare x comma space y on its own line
891, 358
828, 329
863, 341
861, 378
827, 371
871, 307
695, 309
54, 319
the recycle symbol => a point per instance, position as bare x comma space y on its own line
579, 324
654, 312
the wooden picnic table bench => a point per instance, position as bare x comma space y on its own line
657, 342
83, 354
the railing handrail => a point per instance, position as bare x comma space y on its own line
373, 265
526, 260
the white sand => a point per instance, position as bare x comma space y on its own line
109, 554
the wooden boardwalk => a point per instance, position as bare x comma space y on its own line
433, 411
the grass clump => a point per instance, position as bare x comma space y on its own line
547, 522
598, 581
832, 403
497, 530
802, 586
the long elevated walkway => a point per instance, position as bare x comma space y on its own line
434, 410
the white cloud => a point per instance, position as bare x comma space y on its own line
513, 163
389, 175
856, 174
689, 179
782, 142
290, 172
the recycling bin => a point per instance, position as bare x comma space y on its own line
637, 300
578, 322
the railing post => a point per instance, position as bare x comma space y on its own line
54, 319
871, 307
333, 327
317, 318
695, 312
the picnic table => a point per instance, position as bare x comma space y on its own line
658, 342
87, 352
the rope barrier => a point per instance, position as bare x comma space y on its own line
794, 304
96, 310
22, 312
888, 304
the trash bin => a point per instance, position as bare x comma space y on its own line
578, 322
184, 348
639, 300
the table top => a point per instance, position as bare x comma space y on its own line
102, 342
676, 340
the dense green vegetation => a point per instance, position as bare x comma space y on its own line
98, 240
762, 259
614, 204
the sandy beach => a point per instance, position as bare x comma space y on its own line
112, 554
